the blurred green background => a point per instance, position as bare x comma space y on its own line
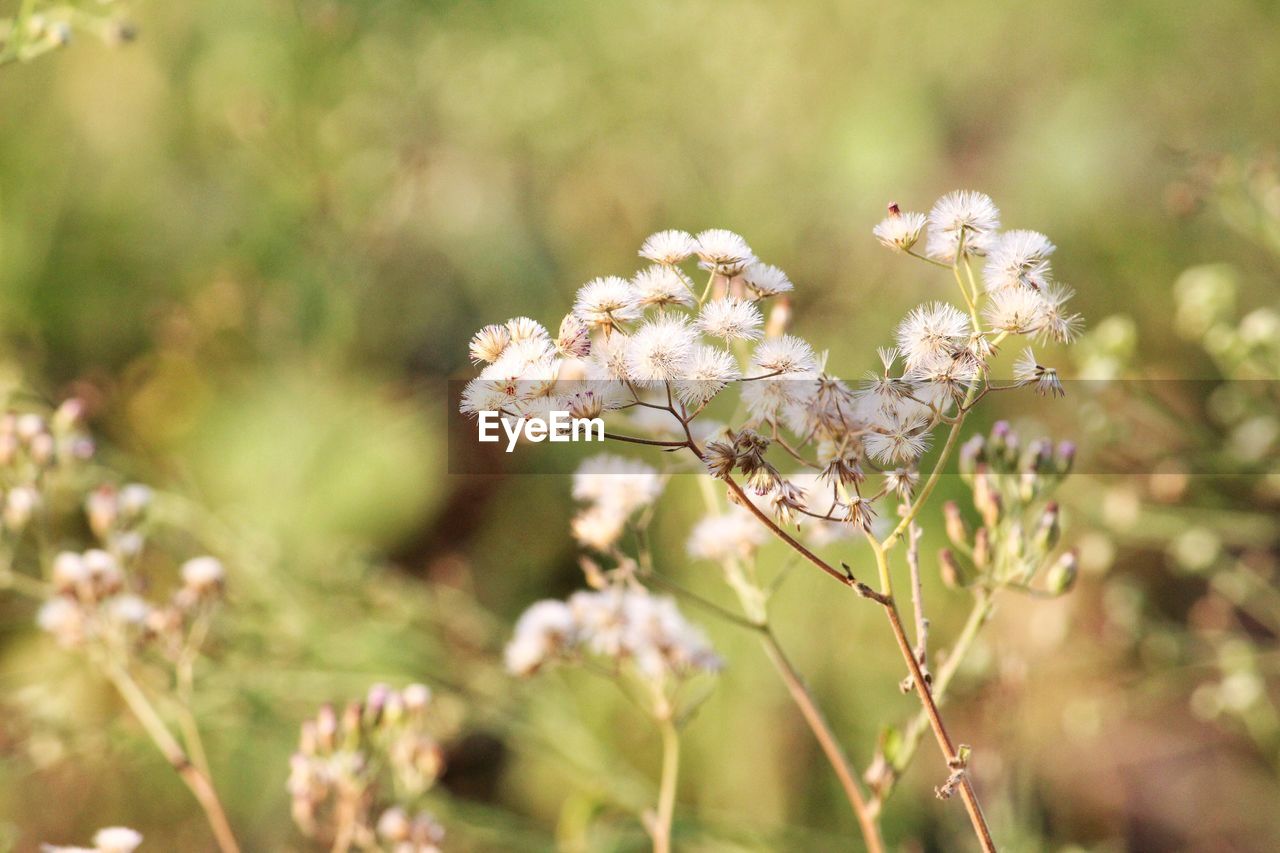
258, 238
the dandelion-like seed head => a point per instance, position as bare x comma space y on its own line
526, 329
723, 251
1058, 323
1017, 310
660, 286
932, 331
962, 222
786, 356
660, 350
765, 280
731, 319
902, 440
488, 343
668, 247
899, 231
1019, 258
607, 302
709, 371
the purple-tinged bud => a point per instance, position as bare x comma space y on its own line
958, 530
949, 569
1066, 457
982, 549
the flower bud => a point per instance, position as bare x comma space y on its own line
326, 728
28, 426
1049, 529
19, 506
958, 530
1063, 573
394, 825
68, 415
1066, 457
44, 450
972, 454
416, 697
203, 575
986, 500
982, 549
69, 572
102, 510
952, 576
133, 501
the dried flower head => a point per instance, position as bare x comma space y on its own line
899, 231
962, 223
723, 251
668, 247
730, 319
607, 303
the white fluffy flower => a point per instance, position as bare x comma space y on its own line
525, 329
598, 527
723, 251
488, 344
899, 231
1018, 258
731, 319
661, 285
203, 573
542, 631
624, 484
787, 355
966, 213
660, 350
1017, 310
732, 535
709, 371
765, 280
606, 302
902, 440
668, 247
62, 618
1057, 323
931, 331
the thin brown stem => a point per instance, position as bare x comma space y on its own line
826, 740
164, 740
949, 752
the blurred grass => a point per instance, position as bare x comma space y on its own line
260, 236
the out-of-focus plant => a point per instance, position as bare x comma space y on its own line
661, 350
92, 598
1202, 463
357, 779
40, 27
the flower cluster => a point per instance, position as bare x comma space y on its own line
1019, 531
648, 349
614, 489
358, 773
625, 627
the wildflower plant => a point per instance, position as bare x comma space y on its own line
359, 776
120, 598
803, 451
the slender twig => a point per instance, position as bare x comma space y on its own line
917, 596
949, 751
911, 736
667, 787
827, 741
164, 740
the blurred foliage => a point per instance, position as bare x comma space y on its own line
257, 239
